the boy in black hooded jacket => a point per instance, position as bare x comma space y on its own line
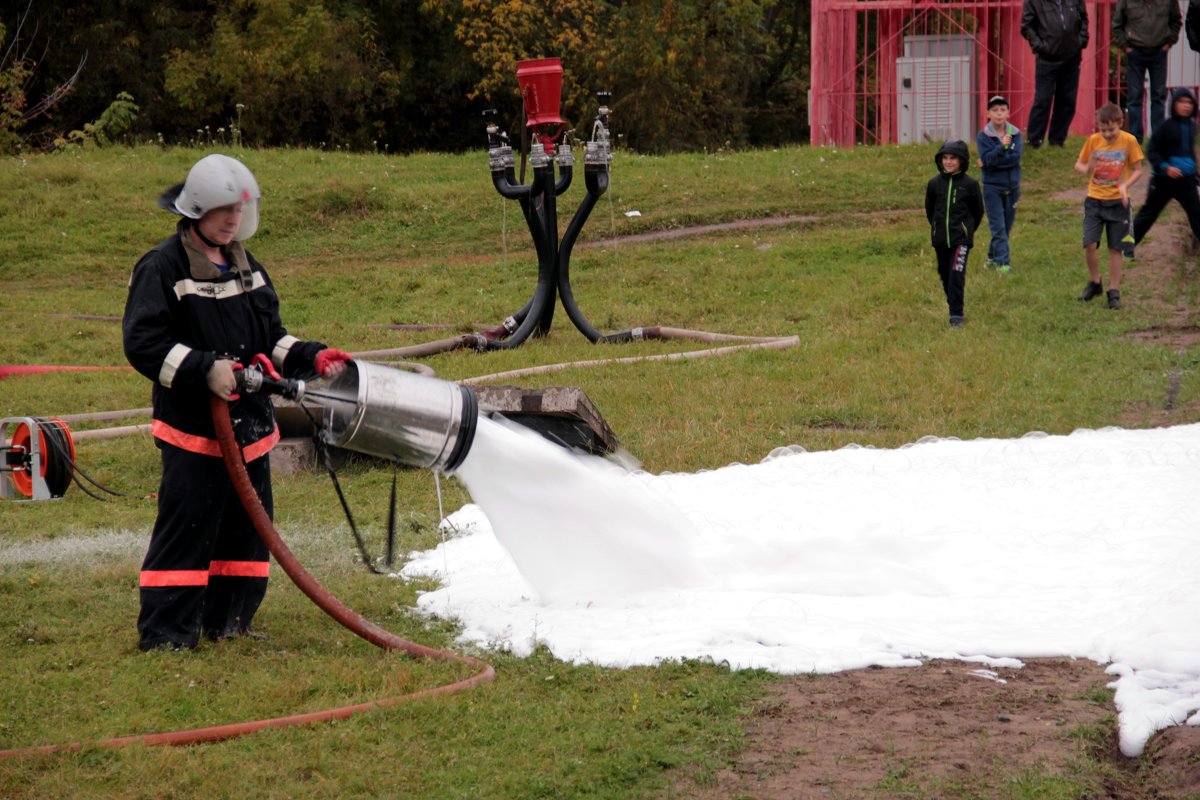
1171, 152
954, 208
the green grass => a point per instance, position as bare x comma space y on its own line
356, 240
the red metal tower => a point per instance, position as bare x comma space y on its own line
886, 71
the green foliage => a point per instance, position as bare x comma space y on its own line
685, 76
685, 82
14, 75
116, 121
303, 73
410, 75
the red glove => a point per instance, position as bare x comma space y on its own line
330, 362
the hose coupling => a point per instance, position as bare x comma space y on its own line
501, 158
564, 157
597, 153
538, 157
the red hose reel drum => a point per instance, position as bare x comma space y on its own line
50, 468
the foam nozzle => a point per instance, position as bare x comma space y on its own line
401, 416
252, 379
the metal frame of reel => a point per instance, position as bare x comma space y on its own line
14, 460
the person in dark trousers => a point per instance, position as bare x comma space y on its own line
954, 208
199, 308
1171, 153
1057, 30
1000, 148
1145, 30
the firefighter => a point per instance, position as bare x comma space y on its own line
199, 308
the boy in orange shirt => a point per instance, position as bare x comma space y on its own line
1112, 160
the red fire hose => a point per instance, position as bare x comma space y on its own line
317, 593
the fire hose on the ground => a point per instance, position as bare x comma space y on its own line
361, 627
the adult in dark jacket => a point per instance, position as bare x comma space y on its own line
1057, 30
1146, 30
200, 307
1171, 152
954, 208
1192, 24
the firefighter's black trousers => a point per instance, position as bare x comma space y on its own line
206, 568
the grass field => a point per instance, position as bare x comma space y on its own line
356, 241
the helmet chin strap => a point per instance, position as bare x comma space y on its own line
196, 230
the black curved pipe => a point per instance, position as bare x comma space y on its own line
550, 212
506, 184
541, 223
564, 267
505, 181
596, 180
564, 179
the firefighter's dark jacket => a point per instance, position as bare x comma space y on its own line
953, 203
181, 314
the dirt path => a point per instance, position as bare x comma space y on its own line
949, 729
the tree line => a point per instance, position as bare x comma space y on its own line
399, 75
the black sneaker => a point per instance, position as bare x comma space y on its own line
1114, 298
1090, 291
956, 322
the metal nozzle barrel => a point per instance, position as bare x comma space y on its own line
252, 379
399, 415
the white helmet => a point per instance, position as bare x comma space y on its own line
215, 181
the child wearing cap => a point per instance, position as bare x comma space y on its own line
999, 144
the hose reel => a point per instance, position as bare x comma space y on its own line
38, 466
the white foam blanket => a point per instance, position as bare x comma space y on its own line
1084, 545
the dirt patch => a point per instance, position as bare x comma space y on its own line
1161, 280
949, 729
1175, 754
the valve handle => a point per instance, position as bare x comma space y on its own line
264, 363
